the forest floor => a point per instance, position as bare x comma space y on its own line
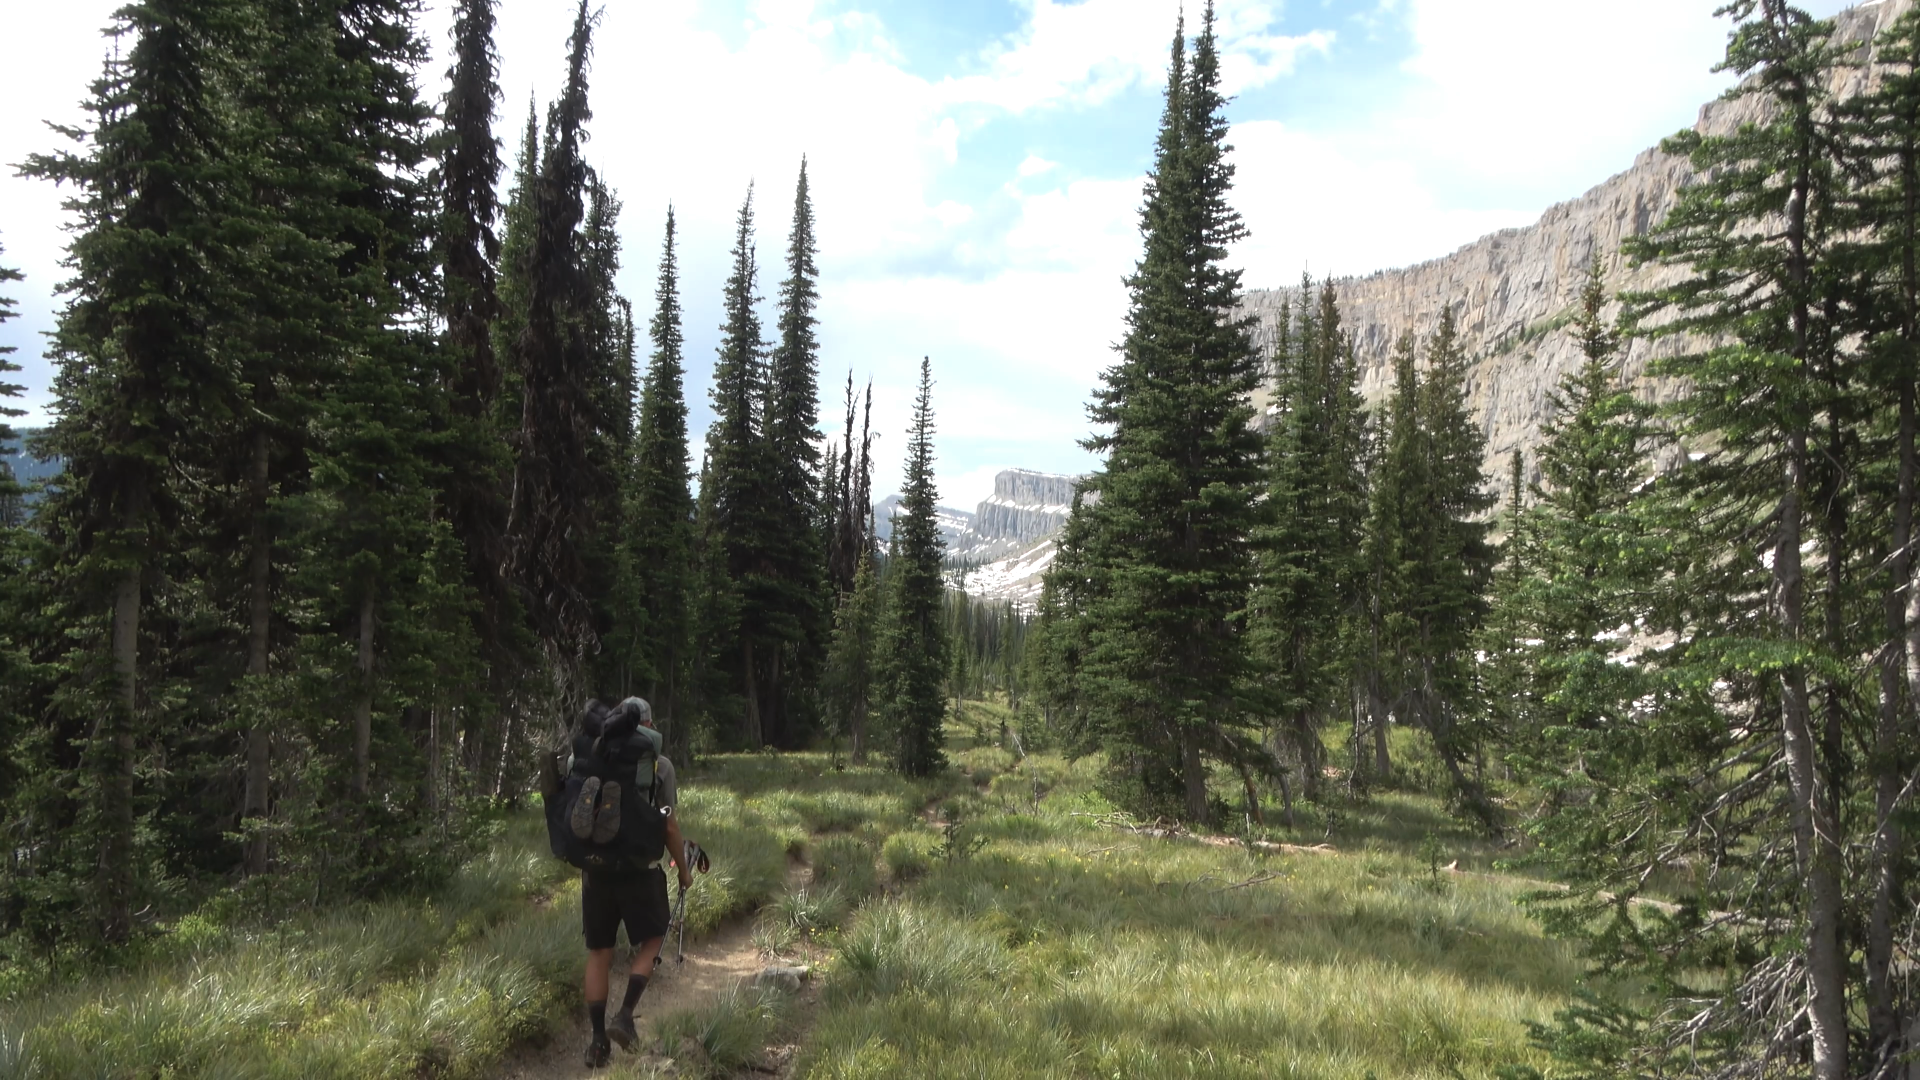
998, 921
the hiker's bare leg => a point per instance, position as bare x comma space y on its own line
599, 963
646, 956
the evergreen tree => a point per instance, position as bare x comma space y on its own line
1753, 243
850, 674
136, 384
1455, 565
559, 483
477, 459
1166, 677
1580, 566
738, 466
12, 515
1297, 612
795, 614
660, 511
913, 651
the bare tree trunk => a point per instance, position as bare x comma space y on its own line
1252, 796
1193, 770
363, 701
857, 730
254, 804
1377, 717
116, 854
434, 767
1813, 825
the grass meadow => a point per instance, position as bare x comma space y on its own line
988, 923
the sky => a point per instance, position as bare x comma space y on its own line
976, 165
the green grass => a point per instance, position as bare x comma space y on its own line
1029, 940
1062, 949
400, 989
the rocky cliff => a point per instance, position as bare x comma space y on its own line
1026, 508
1513, 292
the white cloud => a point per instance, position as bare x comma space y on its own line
1034, 165
1086, 53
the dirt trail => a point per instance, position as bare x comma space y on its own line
712, 965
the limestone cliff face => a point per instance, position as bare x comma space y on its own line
1025, 506
1514, 291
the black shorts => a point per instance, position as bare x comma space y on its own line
640, 902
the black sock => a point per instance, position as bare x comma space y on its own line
636, 985
597, 1012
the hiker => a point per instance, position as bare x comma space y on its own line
625, 887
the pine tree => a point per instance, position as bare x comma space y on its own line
1455, 565
1167, 678
913, 651
137, 379
1580, 565
738, 466
558, 483
477, 457
1752, 239
660, 511
850, 675
796, 613
1391, 549
12, 516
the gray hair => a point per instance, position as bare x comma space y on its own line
640, 706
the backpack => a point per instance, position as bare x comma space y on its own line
610, 751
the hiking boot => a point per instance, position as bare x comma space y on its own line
606, 820
620, 1030
598, 1052
581, 820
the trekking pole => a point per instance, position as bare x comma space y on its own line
680, 922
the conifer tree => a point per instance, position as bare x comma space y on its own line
10, 514
558, 483
660, 510
469, 250
850, 675
1166, 676
913, 652
851, 502
1455, 564
1753, 241
796, 611
739, 469
1296, 615
1580, 566
136, 376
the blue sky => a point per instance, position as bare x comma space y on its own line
977, 166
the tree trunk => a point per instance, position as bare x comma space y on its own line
116, 854
363, 701
1193, 770
1377, 711
750, 731
1883, 1017
857, 730
434, 767
254, 804
1814, 833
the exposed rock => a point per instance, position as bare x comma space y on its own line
1514, 291
782, 977
1025, 508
